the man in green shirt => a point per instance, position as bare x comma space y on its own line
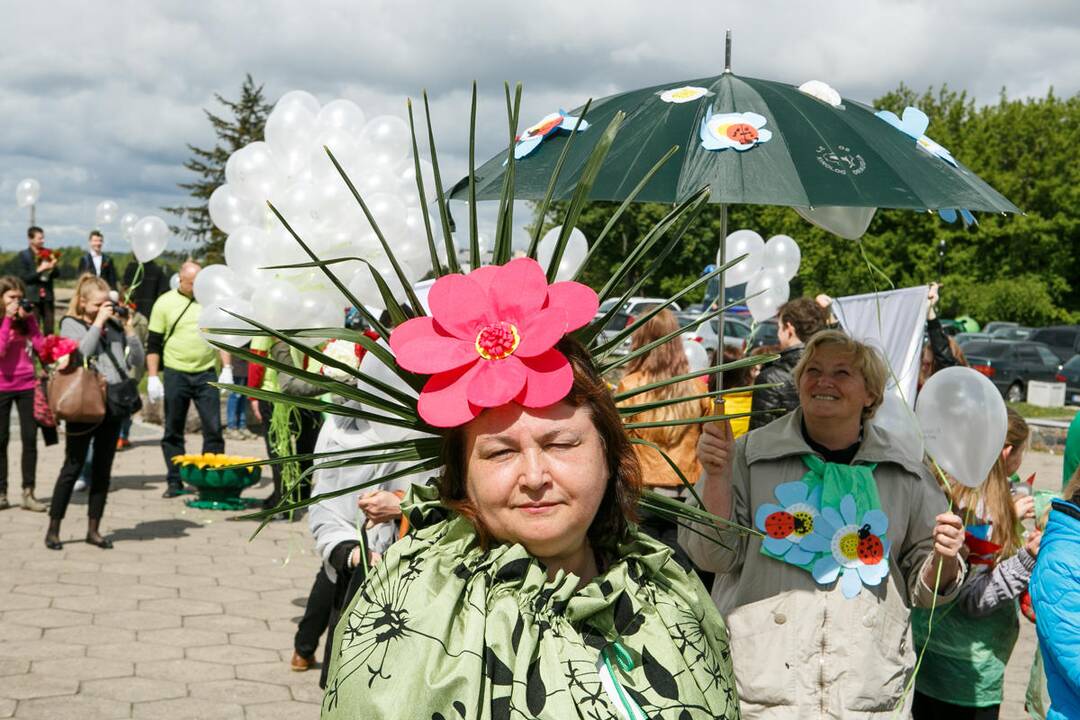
186, 373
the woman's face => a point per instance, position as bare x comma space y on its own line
831, 388
12, 296
536, 476
92, 303
1014, 456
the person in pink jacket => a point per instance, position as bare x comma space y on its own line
19, 337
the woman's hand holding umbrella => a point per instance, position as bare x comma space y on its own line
716, 449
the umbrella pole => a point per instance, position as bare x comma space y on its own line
721, 258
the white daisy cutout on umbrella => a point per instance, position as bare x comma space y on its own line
684, 94
786, 525
858, 549
740, 131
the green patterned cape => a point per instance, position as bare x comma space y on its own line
442, 630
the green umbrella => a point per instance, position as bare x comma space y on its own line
808, 153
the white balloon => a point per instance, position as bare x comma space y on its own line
696, 355
964, 423
106, 211
343, 115
407, 178
577, 247
783, 255
346, 150
290, 132
253, 173
218, 284
149, 237
388, 140
27, 192
299, 98
247, 250
742, 242
212, 316
127, 223
774, 291
899, 421
230, 211
174, 281
274, 304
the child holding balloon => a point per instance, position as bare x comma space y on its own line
970, 640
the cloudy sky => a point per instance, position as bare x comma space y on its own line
98, 100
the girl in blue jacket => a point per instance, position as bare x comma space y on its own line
1055, 595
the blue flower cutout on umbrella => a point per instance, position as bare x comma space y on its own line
740, 131
531, 138
949, 215
788, 524
858, 549
914, 123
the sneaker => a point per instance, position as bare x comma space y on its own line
31, 503
122, 444
81, 485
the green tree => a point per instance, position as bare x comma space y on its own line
1022, 268
243, 123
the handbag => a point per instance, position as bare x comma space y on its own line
77, 394
122, 397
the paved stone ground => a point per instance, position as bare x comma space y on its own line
186, 618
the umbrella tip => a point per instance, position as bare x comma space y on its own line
727, 51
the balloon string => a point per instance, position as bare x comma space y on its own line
136, 281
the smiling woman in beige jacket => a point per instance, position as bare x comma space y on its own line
850, 536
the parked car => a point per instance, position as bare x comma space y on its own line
736, 330
764, 334
1070, 375
1064, 340
1012, 332
626, 315
1011, 365
965, 337
994, 325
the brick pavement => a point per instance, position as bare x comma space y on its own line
186, 618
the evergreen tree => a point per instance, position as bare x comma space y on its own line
242, 124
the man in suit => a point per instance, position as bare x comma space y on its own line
153, 284
96, 262
38, 276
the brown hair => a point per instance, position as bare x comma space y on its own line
805, 315
618, 508
7, 284
935, 365
995, 494
88, 282
735, 378
866, 359
662, 363
1072, 490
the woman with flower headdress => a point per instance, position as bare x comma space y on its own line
523, 588
852, 533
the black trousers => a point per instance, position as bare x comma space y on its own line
925, 707
77, 441
23, 400
312, 625
181, 389
306, 432
45, 311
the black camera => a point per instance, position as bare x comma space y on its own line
26, 305
121, 311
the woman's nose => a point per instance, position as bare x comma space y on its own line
534, 472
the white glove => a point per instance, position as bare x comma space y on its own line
226, 377
155, 391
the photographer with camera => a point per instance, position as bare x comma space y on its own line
113, 349
19, 326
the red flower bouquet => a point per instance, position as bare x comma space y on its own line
55, 347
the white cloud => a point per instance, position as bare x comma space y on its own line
99, 100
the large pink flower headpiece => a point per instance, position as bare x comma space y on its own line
491, 340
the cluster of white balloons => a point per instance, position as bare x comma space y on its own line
766, 269
148, 236
27, 192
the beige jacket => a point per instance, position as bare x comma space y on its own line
801, 650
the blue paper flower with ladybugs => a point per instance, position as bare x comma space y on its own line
858, 549
788, 524
531, 138
914, 122
739, 131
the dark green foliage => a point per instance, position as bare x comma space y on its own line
1022, 268
242, 125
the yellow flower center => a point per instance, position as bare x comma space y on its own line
849, 546
497, 341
